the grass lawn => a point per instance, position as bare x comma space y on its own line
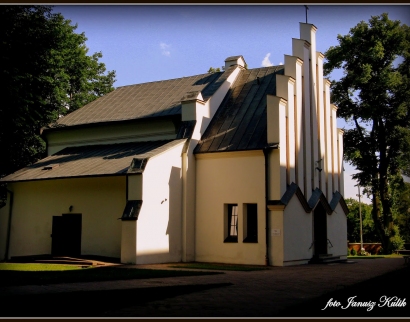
36, 267
375, 256
225, 267
39, 274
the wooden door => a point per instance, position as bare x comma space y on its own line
66, 234
320, 230
57, 242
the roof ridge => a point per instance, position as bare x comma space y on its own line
277, 67
166, 80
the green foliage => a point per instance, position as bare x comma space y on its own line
46, 73
35, 267
400, 192
353, 252
396, 240
212, 70
373, 95
353, 222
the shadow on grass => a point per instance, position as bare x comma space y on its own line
16, 278
103, 303
390, 294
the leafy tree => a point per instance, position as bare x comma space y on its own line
400, 192
212, 70
353, 222
45, 73
374, 96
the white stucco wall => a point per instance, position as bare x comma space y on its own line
101, 202
337, 232
134, 187
297, 233
276, 240
129, 241
228, 178
159, 223
203, 114
276, 132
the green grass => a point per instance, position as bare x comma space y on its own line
36, 274
36, 267
226, 267
375, 256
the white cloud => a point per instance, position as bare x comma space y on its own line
266, 62
165, 49
280, 63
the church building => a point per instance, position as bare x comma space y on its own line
242, 166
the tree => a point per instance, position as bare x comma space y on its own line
353, 222
400, 192
373, 95
213, 70
45, 73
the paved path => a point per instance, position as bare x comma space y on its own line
232, 294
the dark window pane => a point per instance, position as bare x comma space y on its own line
252, 223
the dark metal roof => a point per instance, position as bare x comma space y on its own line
240, 121
338, 198
91, 160
291, 190
155, 99
316, 198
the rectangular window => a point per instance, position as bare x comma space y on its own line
231, 223
250, 224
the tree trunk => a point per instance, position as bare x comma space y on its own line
382, 222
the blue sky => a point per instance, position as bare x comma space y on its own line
148, 43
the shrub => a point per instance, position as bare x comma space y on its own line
353, 252
364, 253
396, 240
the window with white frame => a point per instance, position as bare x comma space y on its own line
231, 223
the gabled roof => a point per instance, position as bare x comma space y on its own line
316, 198
154, 99
240, 121
92, 160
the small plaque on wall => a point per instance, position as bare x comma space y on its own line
275, 232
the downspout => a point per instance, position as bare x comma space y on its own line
265, 153
6, 256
